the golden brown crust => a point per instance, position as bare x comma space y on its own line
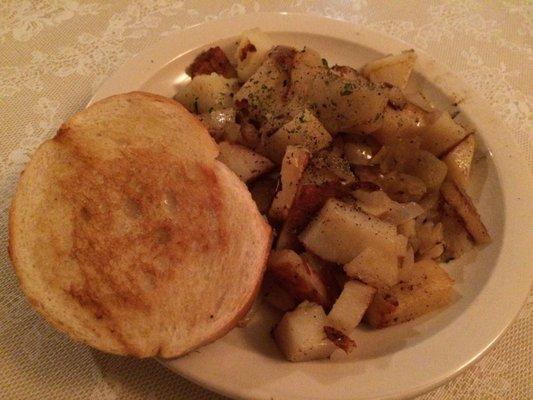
127, 247
15, 242
466, 211
263, 258
213, 60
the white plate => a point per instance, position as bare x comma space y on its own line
400, 361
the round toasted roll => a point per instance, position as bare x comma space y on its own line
128, 235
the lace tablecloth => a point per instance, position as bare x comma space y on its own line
55, 53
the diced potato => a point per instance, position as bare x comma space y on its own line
270, 126
376, 268
401, 124
350, 307
318, 177
371, 125
308, 201
263, 191
307, 64
459, 161
276, 296
295, 275
328, 166
429, 168
206, 93
251, 51
340, 232
344, 105
394, 94
456, 239
368, 127
292, 169
428, 288
442, 135
212, 60
246, 163
465, 209
300, 334
393, 69
406, 265
264, 94
328, 272
304, 130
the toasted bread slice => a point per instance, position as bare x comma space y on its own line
128, 235
139, 120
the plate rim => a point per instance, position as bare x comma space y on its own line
152, 60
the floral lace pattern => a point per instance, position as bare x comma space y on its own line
55, 53
25, 19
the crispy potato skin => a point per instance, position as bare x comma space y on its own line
466, 210
428, 288
339, 339
308, 201
300, 280
212, 60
